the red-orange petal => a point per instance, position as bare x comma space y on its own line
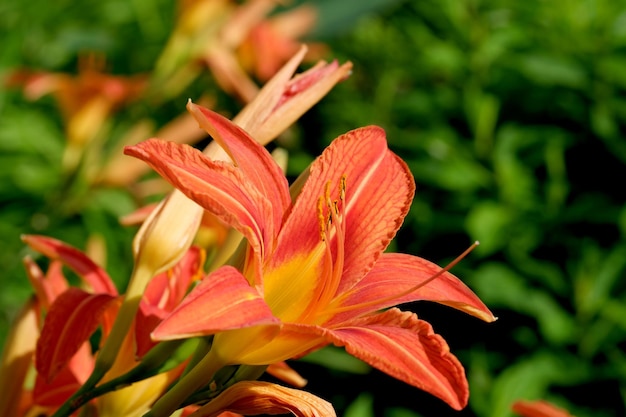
255, 397
71, 320
224, 300
57, 391
87, 269
538, 408
401, 345
164, 292
49, 286
249, 156
217, 186
286, 373
379, 191
396, 273
67, 381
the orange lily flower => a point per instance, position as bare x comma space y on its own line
85, 100
274, 40
314, 271
538, 408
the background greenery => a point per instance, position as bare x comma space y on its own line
510, 115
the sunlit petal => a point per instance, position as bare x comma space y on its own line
285, 373
93, 275
71, 320
538, 409
249, 156
223, 300
379, 210
253, 398
164, 292
217, 186
394, 274
401, 345
49, 286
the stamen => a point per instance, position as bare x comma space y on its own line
335, 208
321, 218
342, 188
332, 228
410, 290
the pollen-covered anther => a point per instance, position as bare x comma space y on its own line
321, 218
342, 188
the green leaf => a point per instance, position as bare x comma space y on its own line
340, 16
400, 412
499, 286
490, 223
363, 406
530, 379
552, 69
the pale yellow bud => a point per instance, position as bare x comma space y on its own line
167, 233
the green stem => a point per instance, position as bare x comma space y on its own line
240, 373
150, 365
202, 349
195, 379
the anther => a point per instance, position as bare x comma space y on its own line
321, 218
342, 188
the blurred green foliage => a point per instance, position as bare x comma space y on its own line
510, 115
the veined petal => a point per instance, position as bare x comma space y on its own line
286, 373
299, 95
394, 274
164, 292
252, 158
67, 381
217, 186
401, 345
378, 192
49, 286
253, 117
224, 300
93, 275
167, 289
254, 397
262, 346
71, 320
57, 391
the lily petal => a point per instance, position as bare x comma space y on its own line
396, 273
252, 158
71, 320
224, 300
93, 275
538, 408
217, 186
49, 286
301, 94
53, 393
379, 210
401, 345
286, 373
254, 397
164, 292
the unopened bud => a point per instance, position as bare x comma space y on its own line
167, 233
